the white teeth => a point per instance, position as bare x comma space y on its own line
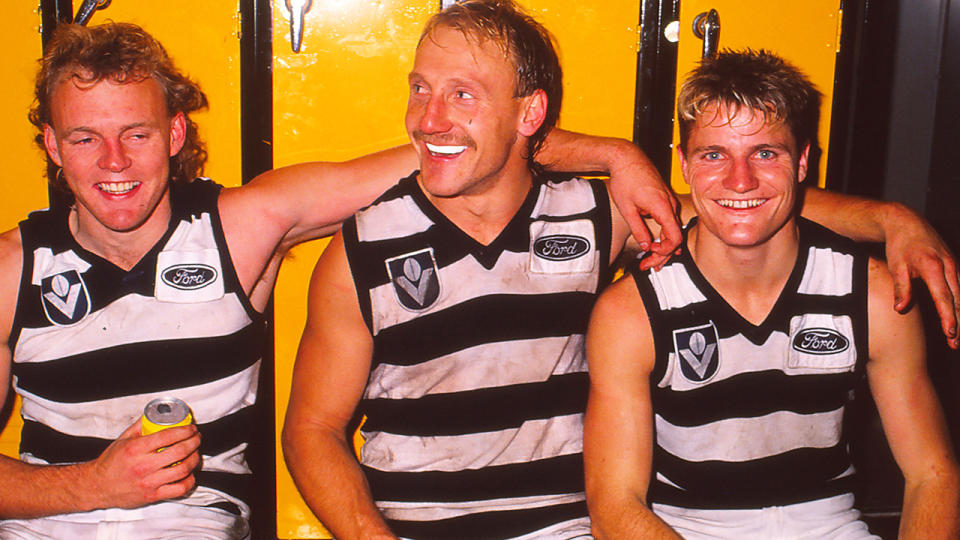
445, 150
740, 204
117, 188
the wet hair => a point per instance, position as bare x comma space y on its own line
121, 53
758, 81
527, 43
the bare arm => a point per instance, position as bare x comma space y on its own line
913, 248
635, 185
328, 380
130, 473
286, 206
911, 416
618, 435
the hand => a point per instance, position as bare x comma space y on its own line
639, 192
915, 250
131, 472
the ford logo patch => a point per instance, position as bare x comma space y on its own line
560, 247
820, 341
189, 276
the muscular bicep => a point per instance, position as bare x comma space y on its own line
11, 263
618, 434
297, 203
333, 359
907, 403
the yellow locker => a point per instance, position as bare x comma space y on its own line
805, 33
25, 186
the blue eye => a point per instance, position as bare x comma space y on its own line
766, 154
712, 155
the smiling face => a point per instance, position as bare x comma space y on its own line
743, 174
113, 141
468, 128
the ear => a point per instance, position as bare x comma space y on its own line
533, 112
50, 143
178, 133
802, 164
683, 163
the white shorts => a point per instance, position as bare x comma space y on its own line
833, 518
176, 519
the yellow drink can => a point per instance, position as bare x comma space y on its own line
163, 413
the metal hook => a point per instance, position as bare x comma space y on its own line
87, 8
706, 26
298, 11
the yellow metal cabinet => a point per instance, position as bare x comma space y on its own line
24, 185
805, 33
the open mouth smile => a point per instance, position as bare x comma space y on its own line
117, 188
444, 150
739, 204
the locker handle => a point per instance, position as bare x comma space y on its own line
298, 11
87, 8
706, 26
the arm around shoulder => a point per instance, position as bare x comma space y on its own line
618, 434
913, 248
328, 380
911, 416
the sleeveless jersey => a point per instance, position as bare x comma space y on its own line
752, 416
478, 383
92, 344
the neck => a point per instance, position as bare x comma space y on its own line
122, 248
750, 278
483, 213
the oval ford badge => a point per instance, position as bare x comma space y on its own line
189, 276
561, 247
820, 341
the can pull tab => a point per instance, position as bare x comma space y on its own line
298, 11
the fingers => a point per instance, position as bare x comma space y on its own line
654, 260
901, 287
639, 230
944, 291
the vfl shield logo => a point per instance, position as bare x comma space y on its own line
65, 298
696, 350
415, 279
189, 276
560, 247
820, 341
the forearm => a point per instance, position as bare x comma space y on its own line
931, 509
863, 220
332, 484
29, 491
575, 152
628, 519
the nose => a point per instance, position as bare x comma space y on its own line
113, 156
740, 177
434, 117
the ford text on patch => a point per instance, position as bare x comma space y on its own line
188, 277
820, 341
561, 247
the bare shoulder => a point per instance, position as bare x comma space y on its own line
893, 335
620, 300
